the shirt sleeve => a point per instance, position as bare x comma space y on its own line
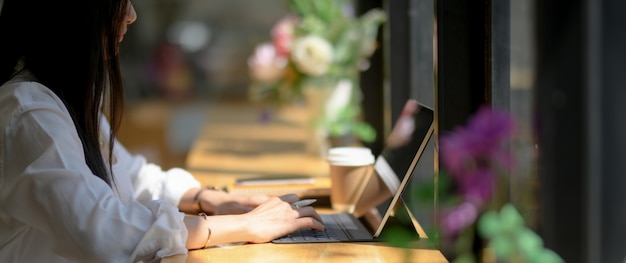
149, 180
47, 186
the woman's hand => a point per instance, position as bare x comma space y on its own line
222, 203
277, 217
271, 219
245, 218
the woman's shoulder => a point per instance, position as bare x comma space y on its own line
23, 93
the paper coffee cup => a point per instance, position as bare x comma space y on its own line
350, 168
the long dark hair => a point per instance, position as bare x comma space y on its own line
71, 47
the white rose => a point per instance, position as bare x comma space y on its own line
312, 55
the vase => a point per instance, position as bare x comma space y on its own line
324, 103
315, 98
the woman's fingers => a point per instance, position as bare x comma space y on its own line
278, 217
290, 198
309, 211
312, 223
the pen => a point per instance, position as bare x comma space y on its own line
303, 203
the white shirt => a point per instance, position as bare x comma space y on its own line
53, 209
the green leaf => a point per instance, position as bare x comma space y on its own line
545, 256
347, 46
365, 132
311, 25
502, 247
444, 183
425, 193
529, 242
300, 7
370, 22
464, 258
510, 218
489, 225
398, 237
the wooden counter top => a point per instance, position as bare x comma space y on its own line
234, 144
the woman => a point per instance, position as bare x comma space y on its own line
68, 190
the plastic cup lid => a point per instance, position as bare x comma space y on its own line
350, 156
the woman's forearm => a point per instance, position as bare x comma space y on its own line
271, 219
223, 229
187, 203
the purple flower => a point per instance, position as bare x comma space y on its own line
473, 155
454, 151
458, 218
476, 185
491, 122
490, 127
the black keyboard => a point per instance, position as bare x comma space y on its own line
334, 223
309, 235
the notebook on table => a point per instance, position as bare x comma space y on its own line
303, 186
394, 165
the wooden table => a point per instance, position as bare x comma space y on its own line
319, 252
235, 144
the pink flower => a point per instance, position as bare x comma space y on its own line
282, 35
265, 64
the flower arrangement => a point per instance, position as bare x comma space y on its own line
320, 44
473, 209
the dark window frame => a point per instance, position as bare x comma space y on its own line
578, 98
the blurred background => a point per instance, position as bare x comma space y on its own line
556, 65
180, 55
